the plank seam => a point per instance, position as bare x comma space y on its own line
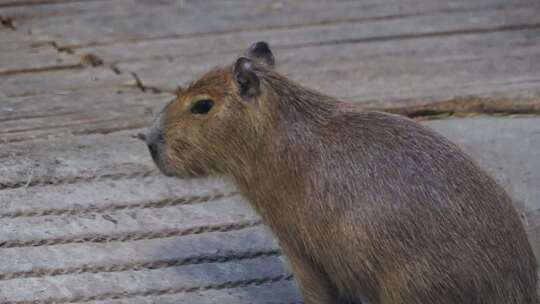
45, 2
75, 179
469, 105
471, 31
130, 236
90, 130
164, 203
109, 130
160, 292
64, 67
167, 263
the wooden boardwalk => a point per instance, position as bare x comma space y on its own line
85, 217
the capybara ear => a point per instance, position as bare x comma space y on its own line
246, 80
261, 53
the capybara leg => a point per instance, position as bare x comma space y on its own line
314, 284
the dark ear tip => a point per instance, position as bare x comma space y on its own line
260, 46
261, 49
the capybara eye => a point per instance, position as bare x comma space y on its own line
202, 106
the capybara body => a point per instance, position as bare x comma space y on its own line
368, 207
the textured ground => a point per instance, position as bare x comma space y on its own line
84, 216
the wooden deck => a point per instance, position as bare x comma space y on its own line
85, 217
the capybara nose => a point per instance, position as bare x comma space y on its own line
153, 150
154, 139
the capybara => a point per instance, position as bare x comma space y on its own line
368, 207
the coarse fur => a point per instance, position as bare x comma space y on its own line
366, 205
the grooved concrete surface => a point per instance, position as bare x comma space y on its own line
85, 217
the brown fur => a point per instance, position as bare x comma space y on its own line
366, 205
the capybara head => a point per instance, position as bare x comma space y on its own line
207, 129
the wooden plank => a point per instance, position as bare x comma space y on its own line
55, 105
283, 292
35, 59
10, 3
60, 81
12, 40
326, 34
92, 22
18, 53
71, 125
398, 79
127, 225
109, 195
103, 111
43, 261
84, 287
385, 73
90, 121
71, 159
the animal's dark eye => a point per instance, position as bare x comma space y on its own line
202, 106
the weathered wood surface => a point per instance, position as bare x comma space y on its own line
440, 60
20, 53
77, 112
26, 3
86, 218
81, 287
62, 80
280, 292
395, 76
110, 21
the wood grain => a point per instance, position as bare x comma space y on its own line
86, 218
91, 22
